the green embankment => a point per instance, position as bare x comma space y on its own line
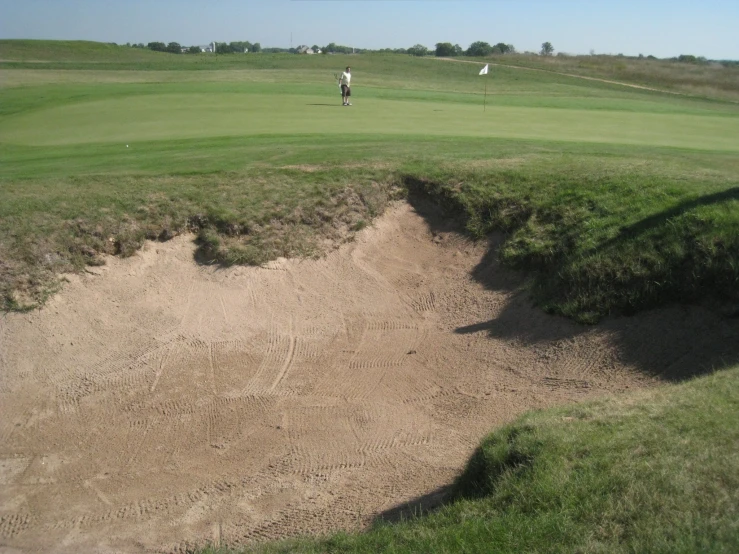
612, 198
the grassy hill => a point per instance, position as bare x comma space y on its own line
66, 51
612, 198
706, 79
656, 471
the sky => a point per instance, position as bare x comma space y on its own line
662, 28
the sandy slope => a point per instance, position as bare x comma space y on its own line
156, 404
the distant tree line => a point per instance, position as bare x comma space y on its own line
477, 48
172, 47
237, 47
221, 47
441, 49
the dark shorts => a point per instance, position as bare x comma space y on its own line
346, 90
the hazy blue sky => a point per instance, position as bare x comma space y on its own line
663, 28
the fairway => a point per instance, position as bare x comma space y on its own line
199, 115
236, 311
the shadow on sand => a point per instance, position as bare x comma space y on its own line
672, 343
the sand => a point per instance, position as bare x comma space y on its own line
156, 404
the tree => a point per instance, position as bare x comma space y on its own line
502, 48
458, 51
174, 48
687, 58
223, 48
157, 46
547, 49
418, 50
444, 49
479, 48
240, 47
193, 50
256, 47
337, 48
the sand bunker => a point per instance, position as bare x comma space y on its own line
156, 404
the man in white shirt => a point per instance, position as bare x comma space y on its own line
345, 82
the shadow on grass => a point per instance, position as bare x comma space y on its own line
418, 507
656, 220
673, 343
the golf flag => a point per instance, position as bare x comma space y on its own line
484, 71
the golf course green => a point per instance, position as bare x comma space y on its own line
173, 111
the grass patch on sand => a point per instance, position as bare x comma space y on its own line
656, 471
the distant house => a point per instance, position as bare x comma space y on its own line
306, 50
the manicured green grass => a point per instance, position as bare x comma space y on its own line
160, 117
656, 471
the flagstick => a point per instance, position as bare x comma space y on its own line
485, 100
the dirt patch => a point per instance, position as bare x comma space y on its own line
156, 404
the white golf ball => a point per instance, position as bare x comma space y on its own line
127, 146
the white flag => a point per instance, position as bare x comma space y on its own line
484, 70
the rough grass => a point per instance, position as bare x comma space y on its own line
598, 237
52, 227
656, 471
597, 230
66, 51
709, 79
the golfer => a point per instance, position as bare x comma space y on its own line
345, 82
